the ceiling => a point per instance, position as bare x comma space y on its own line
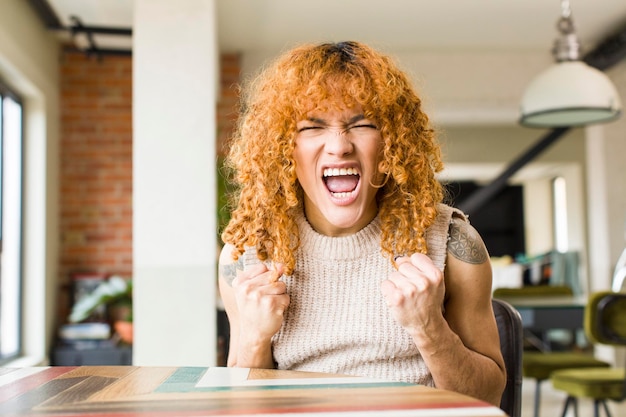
245, 25
395, 25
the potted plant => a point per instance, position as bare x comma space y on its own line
116, 294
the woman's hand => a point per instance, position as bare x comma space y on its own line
261, 300
415, 294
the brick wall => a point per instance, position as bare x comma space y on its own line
230, 68
95, 166
96, 162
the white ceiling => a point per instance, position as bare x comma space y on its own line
245, 25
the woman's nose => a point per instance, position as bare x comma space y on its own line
338, 142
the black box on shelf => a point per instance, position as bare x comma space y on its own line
91, 352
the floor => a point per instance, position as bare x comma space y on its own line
552, 403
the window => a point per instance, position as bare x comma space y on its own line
10, 224
559, 197
500, 221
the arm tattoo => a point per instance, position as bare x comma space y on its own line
465, 243
229, 271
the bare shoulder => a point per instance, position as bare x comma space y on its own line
468, 290
468, 269
228, 267
465, 243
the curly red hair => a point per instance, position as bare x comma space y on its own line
268, 194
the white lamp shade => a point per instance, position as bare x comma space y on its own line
570, 93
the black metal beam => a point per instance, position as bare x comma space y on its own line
46, 14
608, 53
52, 22
78, 27
478, 198
102, 30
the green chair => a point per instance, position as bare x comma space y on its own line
539, 365
533, 291
605, 323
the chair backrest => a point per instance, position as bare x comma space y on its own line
605, 318
605, 321
511, 334
533, 291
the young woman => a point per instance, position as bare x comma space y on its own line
340, 256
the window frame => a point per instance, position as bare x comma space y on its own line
6, 92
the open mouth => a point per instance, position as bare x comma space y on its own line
341, 182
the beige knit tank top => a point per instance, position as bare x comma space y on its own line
337, 320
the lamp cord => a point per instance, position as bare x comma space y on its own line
566, 10
566, 46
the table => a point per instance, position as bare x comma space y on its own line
543, 313
132, 391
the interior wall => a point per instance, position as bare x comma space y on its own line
174, 183
29, 63
606, 202
616, 158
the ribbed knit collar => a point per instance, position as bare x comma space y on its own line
365, 241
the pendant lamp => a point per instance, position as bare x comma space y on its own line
570, 93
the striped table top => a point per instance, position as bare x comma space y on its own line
127, 391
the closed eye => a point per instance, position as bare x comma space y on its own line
364, 126
362, 129
302, 129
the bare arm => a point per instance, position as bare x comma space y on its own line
461, 344
474, 363
254, 304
